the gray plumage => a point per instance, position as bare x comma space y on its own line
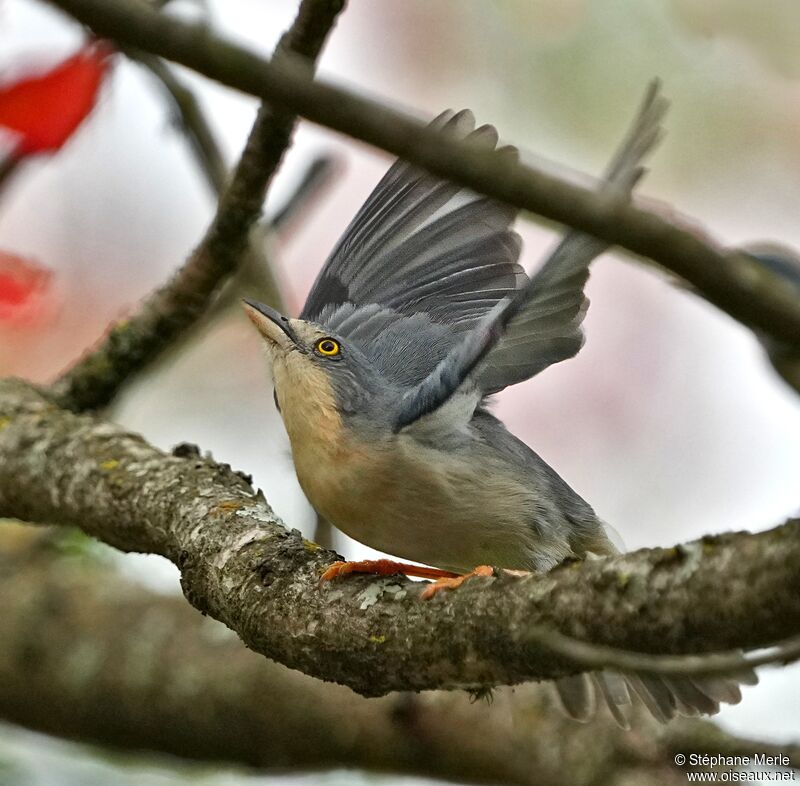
421, 312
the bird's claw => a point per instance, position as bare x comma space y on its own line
443, 579
335, 570
454, 583
384, 567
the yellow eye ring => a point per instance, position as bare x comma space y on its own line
328, 347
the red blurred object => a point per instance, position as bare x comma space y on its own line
46, 109
23, 286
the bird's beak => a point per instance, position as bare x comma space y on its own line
270, 323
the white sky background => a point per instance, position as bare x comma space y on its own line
669, 423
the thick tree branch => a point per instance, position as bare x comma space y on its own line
729, 280
240, 566
89, 656
134, 343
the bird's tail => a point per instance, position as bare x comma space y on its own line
664, 697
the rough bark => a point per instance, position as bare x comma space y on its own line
731, 281
242, 567
88, 655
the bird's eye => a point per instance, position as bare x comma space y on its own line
328, 347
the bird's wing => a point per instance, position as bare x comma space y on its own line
422, 254
540, 323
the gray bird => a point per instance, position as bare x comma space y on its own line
420, 313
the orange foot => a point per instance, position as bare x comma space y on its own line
451, 582
386, 567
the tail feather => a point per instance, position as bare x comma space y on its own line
744, 677
664, 697
577, 696
655, 695
614, 691
723, 691
690, 696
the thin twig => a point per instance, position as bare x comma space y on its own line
729, 280
134, 343
598, 656
313, 179
192, 120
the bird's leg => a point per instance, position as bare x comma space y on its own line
443, 579
386, 567
452, 582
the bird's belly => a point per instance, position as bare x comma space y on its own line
421, 504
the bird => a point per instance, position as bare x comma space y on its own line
420, 314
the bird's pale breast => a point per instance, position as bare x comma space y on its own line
449, 508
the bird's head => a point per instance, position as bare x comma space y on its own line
320, 378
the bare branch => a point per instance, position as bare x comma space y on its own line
89, 656
192, 120
313, 179
134, 343
729, 280
597, 657
240, 566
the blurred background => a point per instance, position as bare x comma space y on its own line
670, 422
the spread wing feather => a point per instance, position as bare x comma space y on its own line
547, 329
424, 250
540, 323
